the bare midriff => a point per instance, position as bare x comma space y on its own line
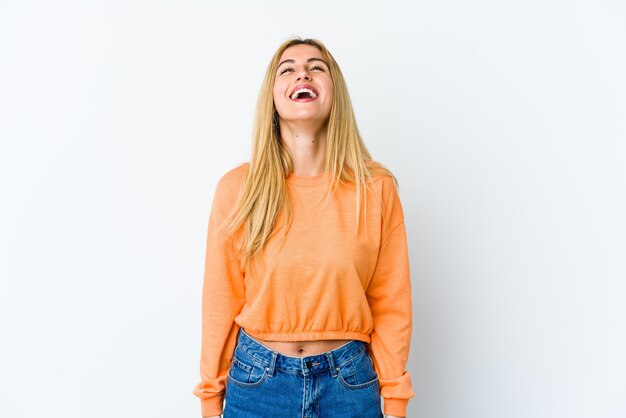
302, 348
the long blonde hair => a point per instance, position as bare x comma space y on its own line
264, 192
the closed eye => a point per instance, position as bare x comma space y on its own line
315, 67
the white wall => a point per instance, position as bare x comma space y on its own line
505, 123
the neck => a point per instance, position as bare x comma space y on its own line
306, 143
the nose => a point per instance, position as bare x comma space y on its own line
303, 75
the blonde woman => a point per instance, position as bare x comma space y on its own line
306, 308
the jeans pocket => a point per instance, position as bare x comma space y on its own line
358, 372
246, 372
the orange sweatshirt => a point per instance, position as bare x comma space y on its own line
317, 282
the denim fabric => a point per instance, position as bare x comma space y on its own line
262, 383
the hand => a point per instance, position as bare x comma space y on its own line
392, 416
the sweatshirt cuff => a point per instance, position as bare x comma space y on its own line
211, 406
395, 407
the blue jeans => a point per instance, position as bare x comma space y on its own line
262, 383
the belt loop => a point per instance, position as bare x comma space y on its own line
272, 366
331, 362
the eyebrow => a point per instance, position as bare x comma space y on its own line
309, 60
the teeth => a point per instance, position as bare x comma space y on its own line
300, 90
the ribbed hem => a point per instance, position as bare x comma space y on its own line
395, 407
308, 335
212, 406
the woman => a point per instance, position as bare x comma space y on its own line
307, 294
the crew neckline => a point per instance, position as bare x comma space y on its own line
307, 180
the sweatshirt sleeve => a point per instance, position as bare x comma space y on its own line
223, 296
389, 298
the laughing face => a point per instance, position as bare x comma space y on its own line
303, 88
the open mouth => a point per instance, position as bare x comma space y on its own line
303, 94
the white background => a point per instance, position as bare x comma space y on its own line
505, 123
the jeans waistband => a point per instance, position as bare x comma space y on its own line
271, 360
